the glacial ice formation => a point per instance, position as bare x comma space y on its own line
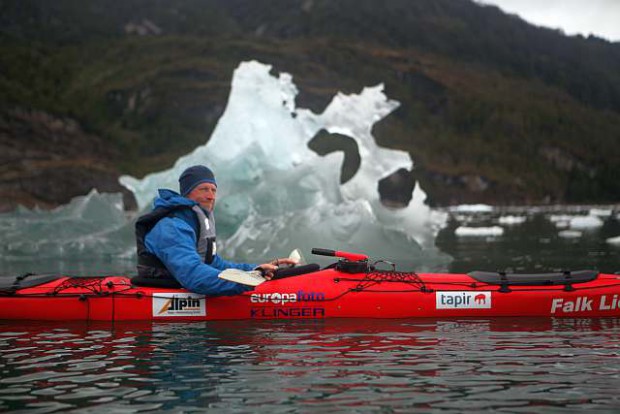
88, 235
276, 194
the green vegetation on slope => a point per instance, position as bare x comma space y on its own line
492, 109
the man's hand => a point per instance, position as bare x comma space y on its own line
268, 269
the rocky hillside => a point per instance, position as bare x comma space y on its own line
493, 110
46, 159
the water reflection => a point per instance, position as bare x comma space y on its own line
338, 365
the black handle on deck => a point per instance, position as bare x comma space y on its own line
323, 252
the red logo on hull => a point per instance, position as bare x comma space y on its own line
480, 298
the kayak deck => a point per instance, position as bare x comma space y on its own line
327, 293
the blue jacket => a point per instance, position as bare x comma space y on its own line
173, 241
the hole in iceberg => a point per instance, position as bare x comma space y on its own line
396, 190
324, 143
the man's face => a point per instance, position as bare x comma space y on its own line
204, 194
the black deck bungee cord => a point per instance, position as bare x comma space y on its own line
95, 288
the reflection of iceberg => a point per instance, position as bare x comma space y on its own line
276, 193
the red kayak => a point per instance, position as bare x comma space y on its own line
350, 288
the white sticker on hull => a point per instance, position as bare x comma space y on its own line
178, 304
463, 300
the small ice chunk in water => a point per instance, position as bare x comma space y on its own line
463, 231
613, 240
512, 220
555, 218
570, 234
576, 222
601, 212
472, 208
585, 222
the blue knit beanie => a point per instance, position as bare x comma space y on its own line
194, 176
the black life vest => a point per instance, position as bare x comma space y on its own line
149, 265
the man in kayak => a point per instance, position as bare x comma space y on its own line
177, 239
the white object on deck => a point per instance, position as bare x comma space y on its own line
252, 278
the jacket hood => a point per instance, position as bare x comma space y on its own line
169, 198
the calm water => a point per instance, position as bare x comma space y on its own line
500, 365
330, 366
539, 244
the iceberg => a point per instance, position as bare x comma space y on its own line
92, 234
577, 222
276, 194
